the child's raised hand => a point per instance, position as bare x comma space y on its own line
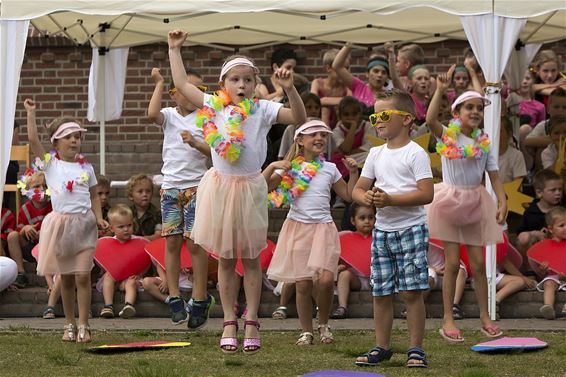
351, 164
176, 38
284, 77
156, 76
29, 104
442, 82
281, 164
389, 48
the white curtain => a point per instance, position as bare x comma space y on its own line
13, 36
115, 63
492, 38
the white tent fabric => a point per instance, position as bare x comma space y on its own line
492, 50
13, 36
114, 83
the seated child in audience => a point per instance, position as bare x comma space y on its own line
547, 75
147, 217
8, 225
351, 135
363, 218
556, 220
521, 103
121, 221
511, 160
461, 82
330, 89
539, 137
157, 285
23, 239
103, 192
558, 136
408, 56
377, 74
548, 190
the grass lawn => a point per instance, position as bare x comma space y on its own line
31, 353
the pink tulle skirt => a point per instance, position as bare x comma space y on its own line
67, 243
304, 251
463, 215
231, 215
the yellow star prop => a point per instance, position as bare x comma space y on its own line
515, 198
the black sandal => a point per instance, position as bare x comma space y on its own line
457, 312
375, 356
416, 354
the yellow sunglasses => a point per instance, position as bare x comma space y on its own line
202, 88
385, 116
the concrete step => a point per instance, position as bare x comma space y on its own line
30, 302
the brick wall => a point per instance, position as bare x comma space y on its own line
55, 74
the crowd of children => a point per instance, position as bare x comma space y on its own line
219, 180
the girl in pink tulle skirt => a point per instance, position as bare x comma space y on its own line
463, 212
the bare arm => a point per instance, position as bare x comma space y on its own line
203, 148
442, 82
341, 188
339, 65
363, 192
500, 194
271, 177
475, 80
390, 48
297, 113
421, 196
175, 39
154, 109
33, 137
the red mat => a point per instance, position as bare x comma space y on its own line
122, 260
356, 251
553, 252
264, 257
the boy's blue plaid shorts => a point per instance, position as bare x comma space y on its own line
398, 261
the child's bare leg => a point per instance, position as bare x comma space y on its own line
549, 295
226, 279
460, 286
68, 297
383, 319
15, 240
347, 282
200, 271
415, 317
151, 286
477, 262
304, 304
108, 287
451, 267
55, 292
507, 286
173, 245
83, 296
325, 294
131, 290
252, 289
286, 294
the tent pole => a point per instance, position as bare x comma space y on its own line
101, 108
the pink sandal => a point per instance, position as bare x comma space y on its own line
452, 336
491, 331
251, 345
229, 345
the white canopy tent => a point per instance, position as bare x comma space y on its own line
492, 27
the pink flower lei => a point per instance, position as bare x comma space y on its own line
448, 147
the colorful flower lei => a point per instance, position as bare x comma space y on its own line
82, 179
295, 181
448, 147
227, 148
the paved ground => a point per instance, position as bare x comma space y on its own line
292, 324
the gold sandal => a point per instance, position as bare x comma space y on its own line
70, 333
306, 339
326, 336
83, 335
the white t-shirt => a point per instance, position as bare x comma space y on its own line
539, 130
254, 147
549, 156
397, 171
511, 165
313, 206
467, 172
183, 165
57, 174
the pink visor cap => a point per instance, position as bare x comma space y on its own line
466, 96
66, 129
311, 127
